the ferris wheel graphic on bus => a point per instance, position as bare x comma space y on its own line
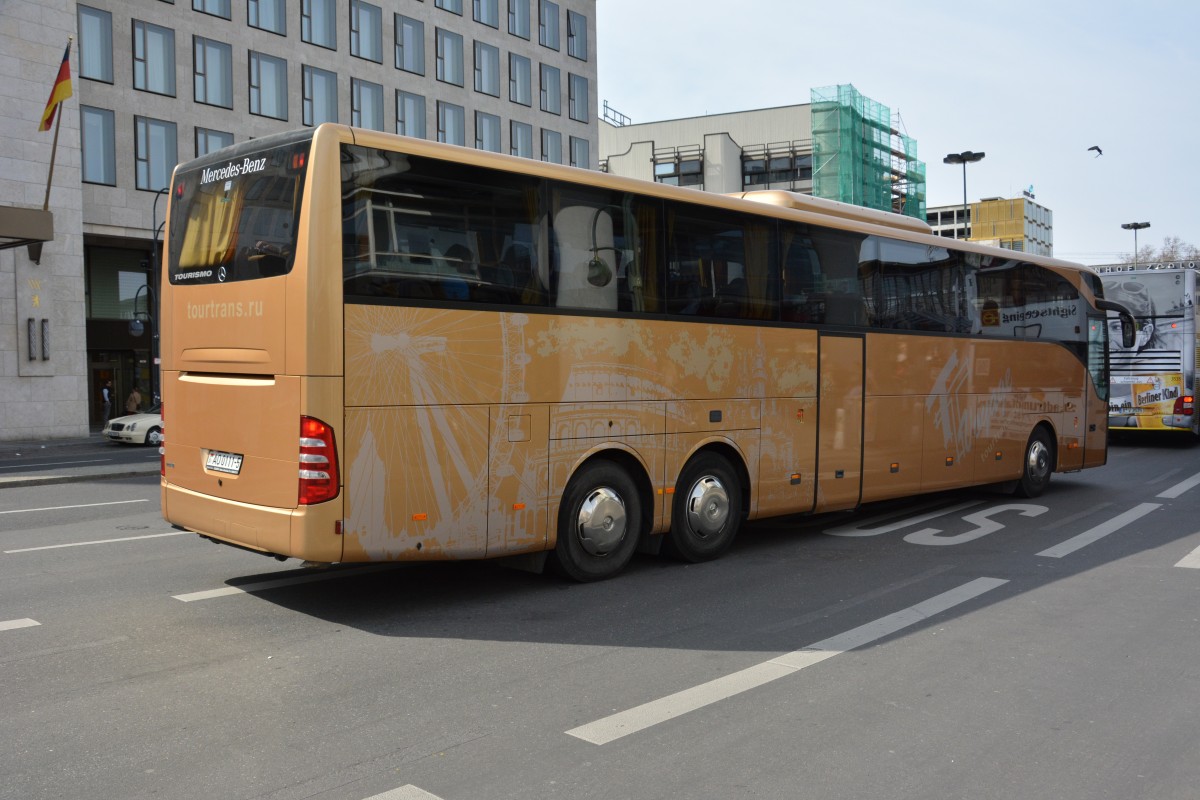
400, 363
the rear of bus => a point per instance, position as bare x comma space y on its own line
1154, 381
251, 346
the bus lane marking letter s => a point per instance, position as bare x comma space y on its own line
981, 519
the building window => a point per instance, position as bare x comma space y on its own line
520, 88
213, 72
551, 89
684, 172
267, 15
366, 31
548, 24
518, 18
153, 58
551, 146
208, 141
410, 45
520, 135
453, 6
95, 44
318, 23
487, 12
487, 132
218, 8
268, 86
449, 57
487, 69
577, 39
452, 123
579, 102
154, 152
581, 153
410, 114
366, 104
320, 96
99, 139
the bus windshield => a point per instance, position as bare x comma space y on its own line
234, 216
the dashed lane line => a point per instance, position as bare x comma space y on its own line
1097, 533
13, 624
97, 541
251, 588
658, 711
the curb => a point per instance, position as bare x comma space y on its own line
97, 475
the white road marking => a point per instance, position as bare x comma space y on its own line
646, 715
1181, 487
1191, 560
251, 588
97, 541
84, 505
408, 792
1100, 531
861, 529
13, 624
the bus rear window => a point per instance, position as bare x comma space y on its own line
235, 218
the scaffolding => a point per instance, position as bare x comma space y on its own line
860, 157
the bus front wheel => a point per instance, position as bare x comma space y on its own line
1038, 464
707, 511
599, 523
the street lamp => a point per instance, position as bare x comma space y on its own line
137, 327
964, 158
1135, 227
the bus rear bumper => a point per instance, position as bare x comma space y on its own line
308, 532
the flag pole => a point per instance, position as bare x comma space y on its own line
54, 145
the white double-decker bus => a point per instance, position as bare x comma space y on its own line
1154, 382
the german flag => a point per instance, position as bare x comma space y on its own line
60, 92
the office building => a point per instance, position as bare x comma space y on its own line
1017, 223
840, 146
157, 82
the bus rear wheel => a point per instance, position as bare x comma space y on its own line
707, 510
599, 523
1038, 464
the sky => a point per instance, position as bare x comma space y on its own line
1031, 84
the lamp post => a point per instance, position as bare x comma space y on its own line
136, 328
964, 158
1135, 227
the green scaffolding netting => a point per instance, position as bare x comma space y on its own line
859, 158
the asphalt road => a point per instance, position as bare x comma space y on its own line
962, 645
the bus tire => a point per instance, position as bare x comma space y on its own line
1038, 464
707, 510
599, 523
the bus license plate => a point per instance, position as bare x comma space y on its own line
218, 461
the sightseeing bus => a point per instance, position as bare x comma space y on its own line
382, 348
1154, 381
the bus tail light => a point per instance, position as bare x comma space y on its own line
318, 462
1184, 406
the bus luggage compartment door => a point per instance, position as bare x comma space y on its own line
839, 432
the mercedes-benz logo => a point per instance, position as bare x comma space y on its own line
221, 274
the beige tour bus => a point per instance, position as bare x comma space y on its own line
382, 348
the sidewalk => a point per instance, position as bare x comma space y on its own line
54, 461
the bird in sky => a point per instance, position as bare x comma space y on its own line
1099, 152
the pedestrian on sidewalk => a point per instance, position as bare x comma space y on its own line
107, 395
134, 402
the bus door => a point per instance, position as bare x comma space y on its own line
840, 426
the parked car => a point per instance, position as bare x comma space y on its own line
144, 428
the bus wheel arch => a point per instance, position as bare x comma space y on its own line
1038, 462
709, 504
603, 513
